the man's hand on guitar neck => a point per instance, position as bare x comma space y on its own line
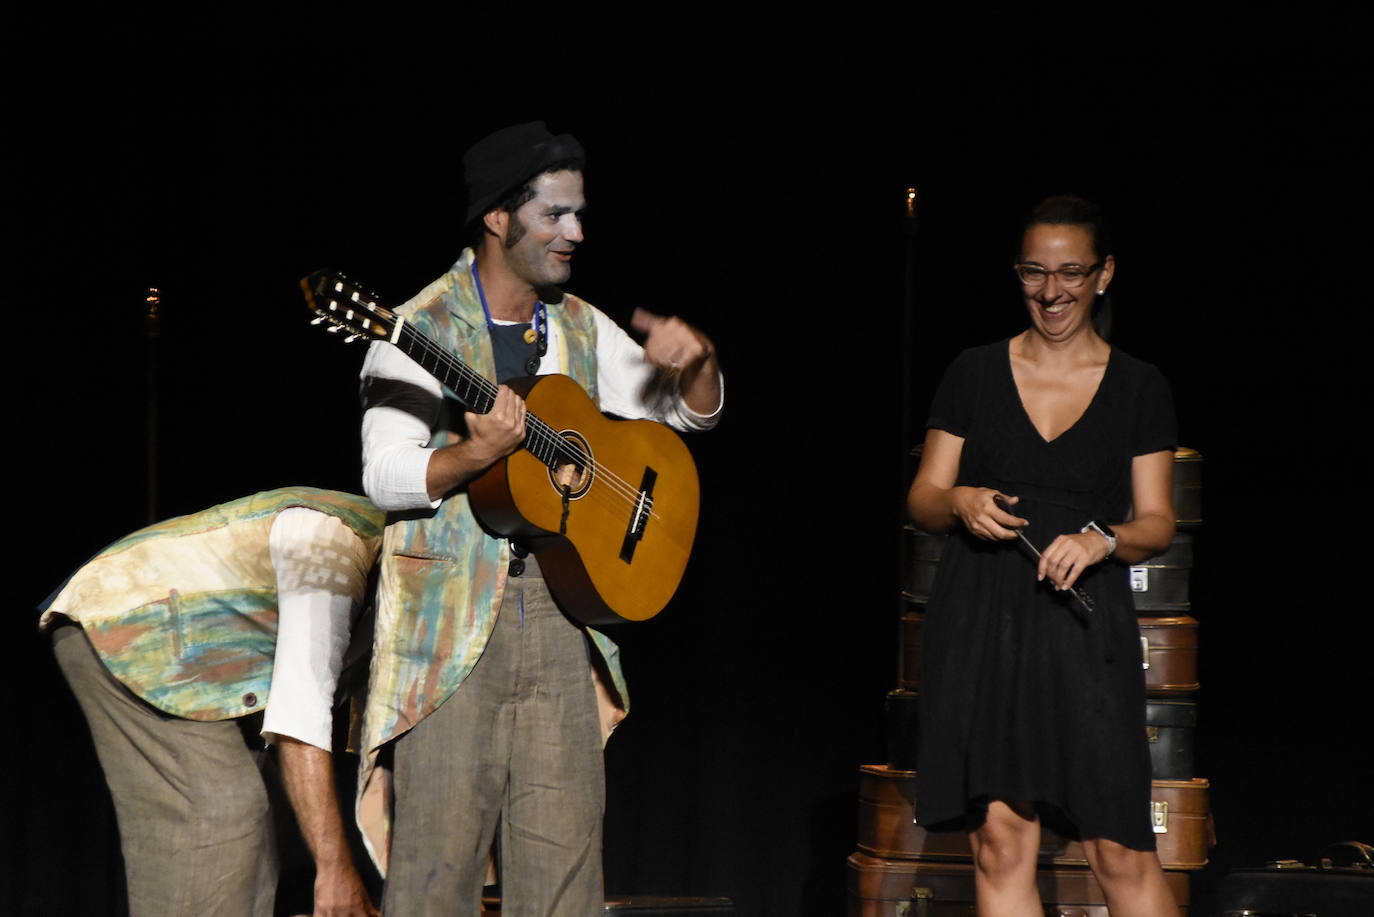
679, 349
491, 436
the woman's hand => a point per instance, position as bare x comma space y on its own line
1147, 534
937, 504
977, 508
1064, 561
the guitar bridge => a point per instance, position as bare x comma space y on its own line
639, 517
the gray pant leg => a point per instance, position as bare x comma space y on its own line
449, 777
518, 744
556, 798
194, 821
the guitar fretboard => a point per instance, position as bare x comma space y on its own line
479, 393
471, 387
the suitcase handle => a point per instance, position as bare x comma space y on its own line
1357, 855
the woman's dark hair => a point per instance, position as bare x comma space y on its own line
1068, 210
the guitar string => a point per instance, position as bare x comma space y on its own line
541, 433
548, 446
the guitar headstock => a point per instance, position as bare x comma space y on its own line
337, 300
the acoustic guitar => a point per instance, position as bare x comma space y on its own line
608, 506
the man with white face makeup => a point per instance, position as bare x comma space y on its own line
488, 705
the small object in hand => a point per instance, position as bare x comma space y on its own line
1079, 594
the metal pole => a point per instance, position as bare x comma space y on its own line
151, 328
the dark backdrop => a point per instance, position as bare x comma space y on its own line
758, 194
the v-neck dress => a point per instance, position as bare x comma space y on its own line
1020, 699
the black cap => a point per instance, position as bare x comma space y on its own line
501, 162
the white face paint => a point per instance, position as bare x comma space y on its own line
545, 230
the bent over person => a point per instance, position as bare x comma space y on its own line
487, 700
171, 639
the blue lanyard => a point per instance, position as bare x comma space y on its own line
541, 315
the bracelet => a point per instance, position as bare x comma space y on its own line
1102, 529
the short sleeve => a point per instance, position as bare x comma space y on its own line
1156, 427
956, 400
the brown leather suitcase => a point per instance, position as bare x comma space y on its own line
912, 888
1168, 648
1182, 822
887, 825
909, 659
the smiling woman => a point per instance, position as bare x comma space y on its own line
1030, 707
1074, 231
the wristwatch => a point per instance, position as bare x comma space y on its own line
1105, 531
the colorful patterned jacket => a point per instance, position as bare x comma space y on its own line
441, 576
184, 612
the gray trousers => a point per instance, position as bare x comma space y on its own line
517, 745
195, 823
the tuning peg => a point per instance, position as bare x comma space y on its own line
334, 329
351, 338
317, 319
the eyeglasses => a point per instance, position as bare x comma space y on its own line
1070, 278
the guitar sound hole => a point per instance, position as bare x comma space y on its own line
575, 468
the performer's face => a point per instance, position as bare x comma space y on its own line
541, 235
1059, 311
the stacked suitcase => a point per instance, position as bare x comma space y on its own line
900, 868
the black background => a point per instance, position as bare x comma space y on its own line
753, 183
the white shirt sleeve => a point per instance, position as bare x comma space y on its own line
322, 568
396, 443
624, 377
396, 447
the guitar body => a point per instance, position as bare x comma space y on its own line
609, 506
598, 569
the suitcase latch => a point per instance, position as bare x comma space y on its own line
1140, 579
1145, 653
1159, 816
1152, 734
918, 905
1285, 864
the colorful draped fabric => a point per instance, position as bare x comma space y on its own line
184, 612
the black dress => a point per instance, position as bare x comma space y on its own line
1020, 699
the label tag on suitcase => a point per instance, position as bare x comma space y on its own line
918, 905
1140, 579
